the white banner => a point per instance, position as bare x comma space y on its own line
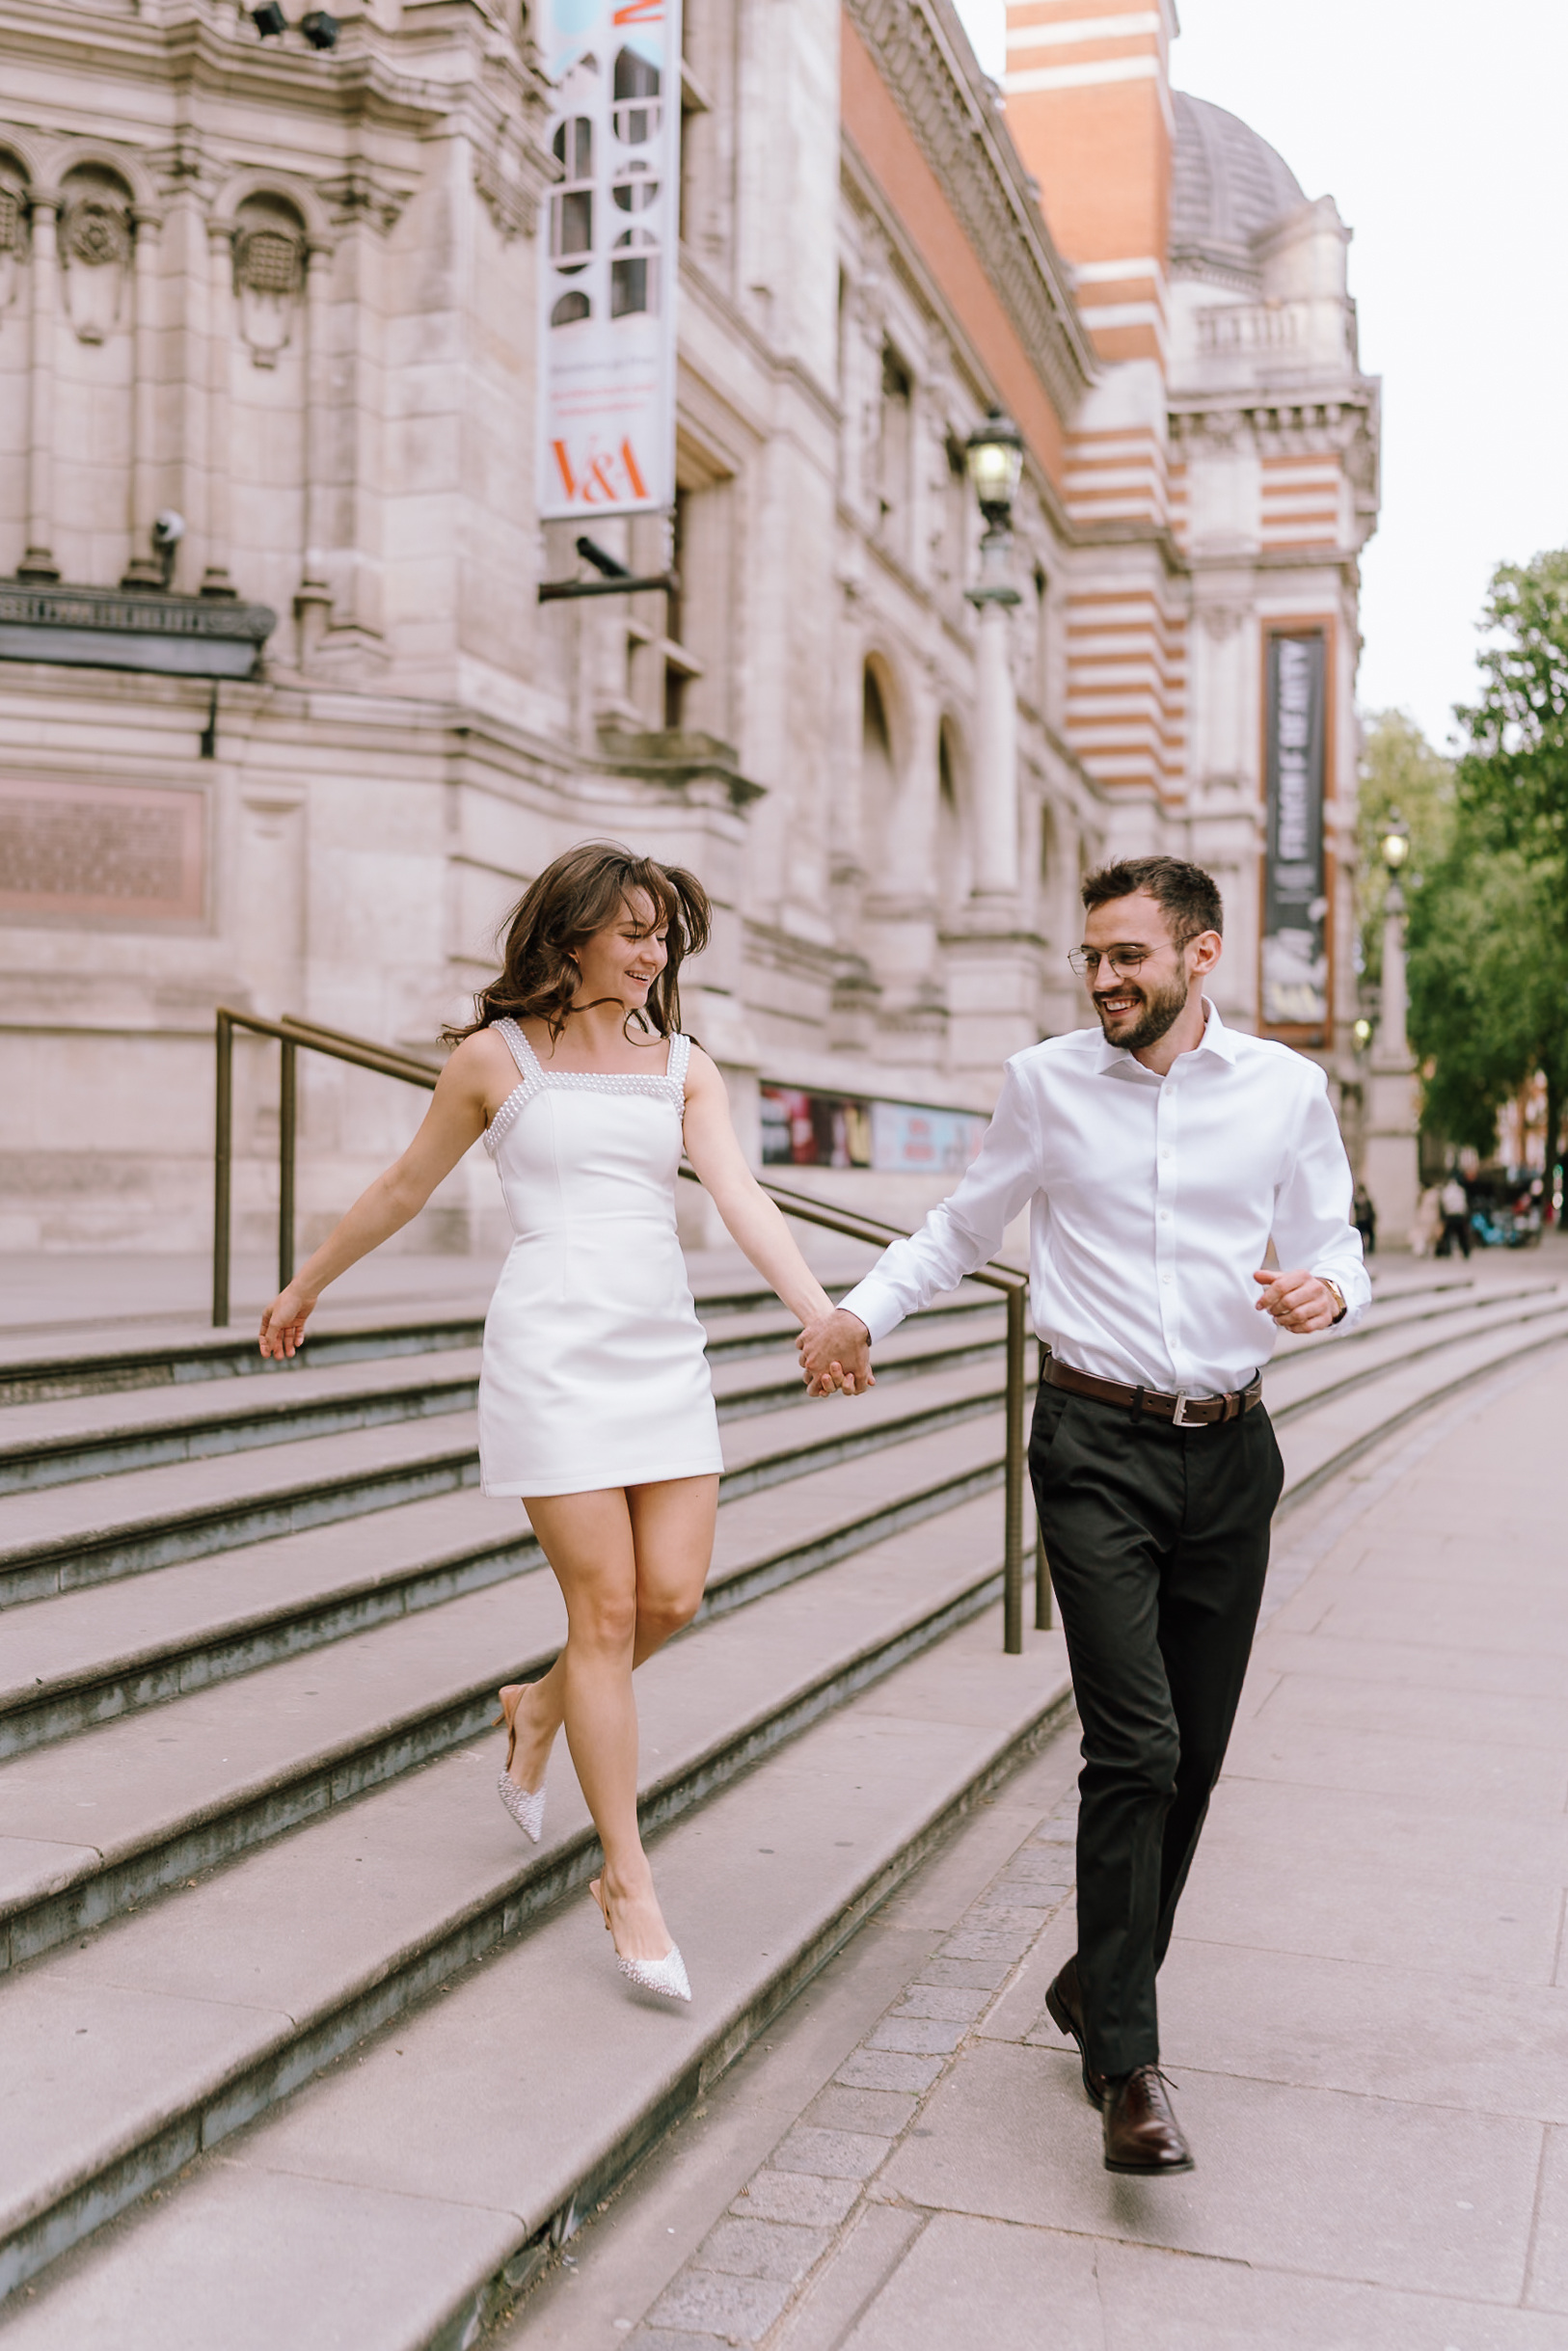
607, 322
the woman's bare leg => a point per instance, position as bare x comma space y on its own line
672, 1531
631, 1567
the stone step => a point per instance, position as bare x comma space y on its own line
93, 1655
97, 1530
205, 2011
63, 1440
1337, 1426
141, 1801
1298, 1377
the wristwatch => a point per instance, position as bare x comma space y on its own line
1337, 1295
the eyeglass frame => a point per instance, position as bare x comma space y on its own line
1078, 958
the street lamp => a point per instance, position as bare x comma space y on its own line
994, 456
1393, 1152
1395, 841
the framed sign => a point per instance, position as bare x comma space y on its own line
607, 276
1295, 954
100, 854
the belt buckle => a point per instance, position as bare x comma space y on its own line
1179, 1418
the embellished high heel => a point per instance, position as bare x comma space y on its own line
667, 1975
527, 1806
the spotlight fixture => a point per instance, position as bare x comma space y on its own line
269, 19
320, 29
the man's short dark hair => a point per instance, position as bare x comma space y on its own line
1190, 897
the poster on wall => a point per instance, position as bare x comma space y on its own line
1295, 907
608, 273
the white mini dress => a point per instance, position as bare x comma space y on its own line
594, 1373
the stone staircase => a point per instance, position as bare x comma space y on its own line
256, 1894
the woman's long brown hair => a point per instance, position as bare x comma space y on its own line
583, 891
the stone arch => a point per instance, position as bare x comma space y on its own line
272, 189
884, 755
96, 159
955, 856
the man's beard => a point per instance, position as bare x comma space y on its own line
1161, 1011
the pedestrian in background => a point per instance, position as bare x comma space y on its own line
1363, 1216
1455, 1201
1159, 1154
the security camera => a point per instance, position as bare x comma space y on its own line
320, 29
168, 530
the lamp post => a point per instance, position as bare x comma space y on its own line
1393, 1170
994, 455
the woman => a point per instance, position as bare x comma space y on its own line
595, 1405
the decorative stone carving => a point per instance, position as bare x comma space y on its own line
511, 205
366, 192
269, 278
96, 243
13, 243
1001, 221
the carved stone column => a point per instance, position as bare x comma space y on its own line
145, 569
39, 562
216, 580
313, 605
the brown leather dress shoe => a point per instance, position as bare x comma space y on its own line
1141, 2133
1064, 2003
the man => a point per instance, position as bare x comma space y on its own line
1160, 1154
1455, 1201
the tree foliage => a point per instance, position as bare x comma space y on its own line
1489, 931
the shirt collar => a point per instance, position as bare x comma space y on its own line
1216, 1038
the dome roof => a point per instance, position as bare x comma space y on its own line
1227, 184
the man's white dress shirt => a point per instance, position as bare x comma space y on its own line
1152, 1204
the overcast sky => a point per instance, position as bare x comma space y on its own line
1438, 127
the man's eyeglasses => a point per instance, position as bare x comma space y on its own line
1125, 961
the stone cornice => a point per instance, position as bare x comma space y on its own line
925, 62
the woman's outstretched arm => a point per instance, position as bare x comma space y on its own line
752, 1219
455, 1121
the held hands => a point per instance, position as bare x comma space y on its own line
835, 1355
282, 1325
1297, 1302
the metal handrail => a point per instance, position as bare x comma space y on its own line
386, 1060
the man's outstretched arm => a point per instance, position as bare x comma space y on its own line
954, 1238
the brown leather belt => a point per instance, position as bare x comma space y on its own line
1181, 1410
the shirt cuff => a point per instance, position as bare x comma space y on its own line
878, 1311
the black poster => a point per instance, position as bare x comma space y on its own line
1295, 909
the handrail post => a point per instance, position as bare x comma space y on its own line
222, 1154
288, 1120
1012, 1557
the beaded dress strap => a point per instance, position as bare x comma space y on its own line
680, 1053
521, 1052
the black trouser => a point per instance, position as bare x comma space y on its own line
1157, 1539
1454, 1229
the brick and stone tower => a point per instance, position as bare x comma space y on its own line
1221, 480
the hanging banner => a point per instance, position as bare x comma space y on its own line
1295, 908
607, 329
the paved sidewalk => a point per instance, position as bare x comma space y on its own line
1366, 2009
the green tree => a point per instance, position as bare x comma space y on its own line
1513, 774
1399, 772
1488, 972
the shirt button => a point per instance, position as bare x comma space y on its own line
1165, 1216
1166, 1279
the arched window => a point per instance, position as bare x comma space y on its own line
570, 308
635, 110
634, 276
571, 201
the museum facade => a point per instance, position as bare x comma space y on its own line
287, 724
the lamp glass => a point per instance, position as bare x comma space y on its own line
994, 456
1396, 849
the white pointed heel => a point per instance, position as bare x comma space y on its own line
525, 1805
667, 1976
